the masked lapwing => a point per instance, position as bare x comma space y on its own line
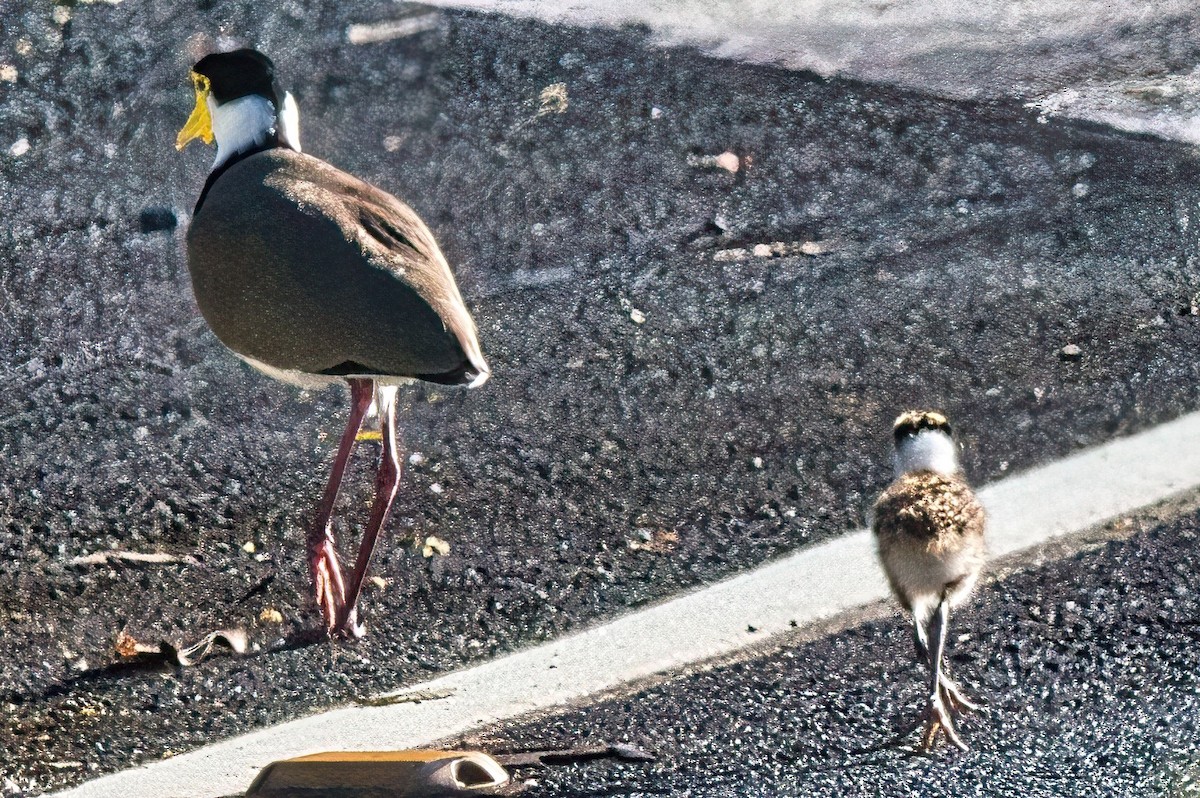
929, 528
313, 276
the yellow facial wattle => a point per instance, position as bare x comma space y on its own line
199, 124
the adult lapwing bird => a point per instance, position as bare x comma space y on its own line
929, 528
312, 276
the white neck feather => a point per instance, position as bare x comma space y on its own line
928, 450
245, 123
289, 122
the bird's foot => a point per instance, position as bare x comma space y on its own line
328, 584
349, 628
938, 718
956, 700
340, 620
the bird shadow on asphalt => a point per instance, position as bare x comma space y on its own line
877, 753
145, 664
601, 792
893, 744
623, 790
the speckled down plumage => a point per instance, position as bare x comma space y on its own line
929, 528
305, 268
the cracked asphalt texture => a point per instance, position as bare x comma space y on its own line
1089, 666
961, 247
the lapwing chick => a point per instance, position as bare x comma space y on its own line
929, 528
313, 276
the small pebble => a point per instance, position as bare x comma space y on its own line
728, 255
637, 316
553, 99
1071, 352
435, 545
19, 147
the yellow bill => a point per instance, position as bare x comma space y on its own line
199, 124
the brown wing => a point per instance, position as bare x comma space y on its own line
307, 268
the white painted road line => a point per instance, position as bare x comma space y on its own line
812, 585
987, 48
991, 48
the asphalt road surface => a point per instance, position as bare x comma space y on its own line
1089, 666
667, 406
989, 48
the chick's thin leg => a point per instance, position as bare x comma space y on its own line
952, 695
939, 716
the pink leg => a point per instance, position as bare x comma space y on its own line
322, 551
387, 480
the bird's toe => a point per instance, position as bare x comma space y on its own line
939, 719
